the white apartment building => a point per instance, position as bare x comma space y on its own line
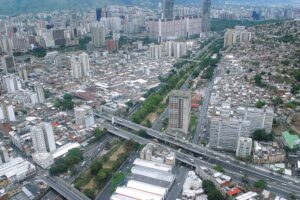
43, 138
155, 51
226, 131
259, 118
244, 147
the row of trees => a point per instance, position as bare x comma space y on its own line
212, 192
62, 165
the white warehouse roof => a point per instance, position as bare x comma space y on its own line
153, 165
16, 167
137, 194
152, 173
153, 189
64, 149
120, 197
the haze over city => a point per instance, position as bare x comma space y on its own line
149, 100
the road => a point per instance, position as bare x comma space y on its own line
63, 188
211, 156
158, 124
201, 132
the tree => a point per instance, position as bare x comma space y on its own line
260, 104
99, 134
101, 176
95, 167
129, 104
258, 79
142, 133
90, 192
219, 168
215, 195
148, 123
277, 101
292, 196
245, 179
261, 135
260, 184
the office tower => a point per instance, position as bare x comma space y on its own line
245, 36
38, 88
179, 111
84, 116
11, 83
59, 37
259, 118
229, 38
22, 71
224, 132
205, 14
155, 51
85, 64
244, 147
98, 14
43, 138
8, 64
167, 9
98, 35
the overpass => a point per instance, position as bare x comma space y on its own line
64, 189
193, 151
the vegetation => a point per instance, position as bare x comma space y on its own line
62, 165
102, 169
66, 103
90, 192
193, 123
39, 52
245, 179
260, 104
261, 135
295, 88
260, 184
118, 178
98, 135
277, 101
219, 168
292, 104
211, 191
83, 42
292, 196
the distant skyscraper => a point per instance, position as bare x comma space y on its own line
168, 8
98, 14
11, 83
98, 35
205, 13
80, 68
155, 51
8, 64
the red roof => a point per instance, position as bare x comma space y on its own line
55, 124
233, 191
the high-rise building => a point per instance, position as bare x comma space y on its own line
259, 118
80, 67
155, 51
98, 35
8, 64
7, 112
244, 147
38, 88
11, 83
4, 156
43, 138
205, 14
229, 38
179, 112
84, 116
85, 64
179, 49
98, 14
167, 9
224, 132
112, 45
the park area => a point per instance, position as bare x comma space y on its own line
93, 180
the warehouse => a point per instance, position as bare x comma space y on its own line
120, 197
17, 169
153, 189
137, 194
153, 165
153, 173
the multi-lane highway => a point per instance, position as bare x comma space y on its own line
281, 183
63, 188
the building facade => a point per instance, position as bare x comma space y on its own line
244, 147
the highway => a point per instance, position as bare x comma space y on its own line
63, 188
211, 156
